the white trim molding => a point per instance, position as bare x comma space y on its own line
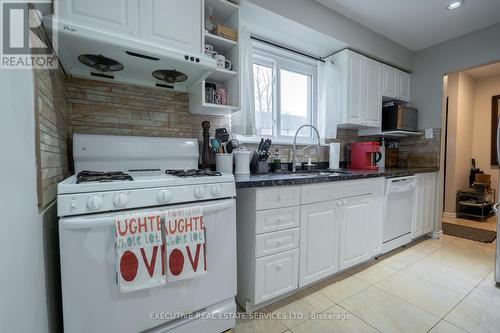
437, 234
450, 215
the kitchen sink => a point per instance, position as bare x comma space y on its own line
320, 173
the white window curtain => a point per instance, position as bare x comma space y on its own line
327, 119
243, 122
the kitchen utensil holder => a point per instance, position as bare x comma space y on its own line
241, 162
224, 163
257, 166
262, 167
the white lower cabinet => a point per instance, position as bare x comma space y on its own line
289, 237
319, 225
276, 275
275, 242
430, 194
425, 204
356, 230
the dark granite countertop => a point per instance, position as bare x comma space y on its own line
277, 179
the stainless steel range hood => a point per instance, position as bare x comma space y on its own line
140, 60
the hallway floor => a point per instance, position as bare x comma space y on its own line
436, 286
489, 224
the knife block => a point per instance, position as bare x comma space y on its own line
257, 166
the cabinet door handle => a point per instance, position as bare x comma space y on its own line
279, 267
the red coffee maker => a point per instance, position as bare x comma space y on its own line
364, 155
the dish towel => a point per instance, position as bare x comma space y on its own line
185, 243
139, 251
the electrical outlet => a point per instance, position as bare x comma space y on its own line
429, 133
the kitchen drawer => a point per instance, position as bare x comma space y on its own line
277, 197
274, 242
276, 275
276, 219
338, 190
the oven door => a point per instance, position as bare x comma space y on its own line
92, 301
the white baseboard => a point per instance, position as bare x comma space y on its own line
450, 215
437, 234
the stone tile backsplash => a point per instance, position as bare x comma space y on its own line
417, 151
98, 107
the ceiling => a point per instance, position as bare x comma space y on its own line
484, 71
418, 24
275, 28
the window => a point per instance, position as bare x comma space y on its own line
263, 91
284, 86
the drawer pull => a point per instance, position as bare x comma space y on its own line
279, 243
279, 220
279, 197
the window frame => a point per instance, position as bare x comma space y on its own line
279, 59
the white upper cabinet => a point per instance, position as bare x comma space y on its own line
373, 107
357, 92
172, 22
318, 242
390, 81
396, 84
118, 16
404, 86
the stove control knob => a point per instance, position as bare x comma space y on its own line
120, 200
164, 196
199, 192
216, 190
94, 203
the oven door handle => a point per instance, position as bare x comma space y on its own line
87, 223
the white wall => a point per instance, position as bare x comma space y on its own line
461, 91
485, 89
476, 48
465, 130
354, 35
23, 301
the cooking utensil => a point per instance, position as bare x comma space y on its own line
267, 145
215, 144
232, 145
222, 135
261, 144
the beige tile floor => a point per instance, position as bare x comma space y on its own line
436, 286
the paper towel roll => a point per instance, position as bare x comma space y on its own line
334, 155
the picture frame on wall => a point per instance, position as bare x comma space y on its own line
495, 109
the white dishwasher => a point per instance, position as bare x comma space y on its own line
399, 206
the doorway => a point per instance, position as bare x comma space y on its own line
470, 179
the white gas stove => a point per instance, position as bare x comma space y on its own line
117, 172
117, 175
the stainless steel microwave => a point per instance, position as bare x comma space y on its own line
399, 118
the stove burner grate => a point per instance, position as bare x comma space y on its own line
101, 177
193, 173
